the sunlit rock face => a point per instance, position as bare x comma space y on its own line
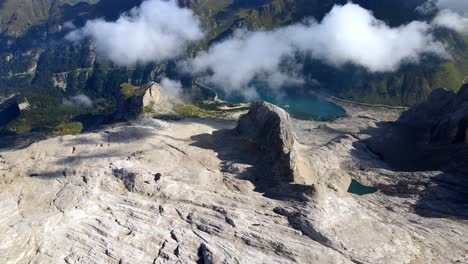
152, 95
193, 191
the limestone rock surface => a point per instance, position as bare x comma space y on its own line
152, 95
269, 127
187, 191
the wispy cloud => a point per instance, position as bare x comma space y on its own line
349, 34
452, 20
80, 101
155, 31
171, 88
459, 6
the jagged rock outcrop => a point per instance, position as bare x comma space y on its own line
444, 115
152, 95
269, 126
137, 100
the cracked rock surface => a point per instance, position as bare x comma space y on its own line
191, 191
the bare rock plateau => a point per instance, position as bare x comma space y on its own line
264, 189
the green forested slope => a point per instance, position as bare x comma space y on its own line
32, 52
36, 61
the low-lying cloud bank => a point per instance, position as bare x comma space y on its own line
159, 30
79, 101
460, 6
451, 14
432, 6
349, 34
155, 31
171, 88
452, 20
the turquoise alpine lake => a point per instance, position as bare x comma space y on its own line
300, 105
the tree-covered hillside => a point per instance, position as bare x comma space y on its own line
35, 58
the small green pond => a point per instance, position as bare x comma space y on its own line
359, 189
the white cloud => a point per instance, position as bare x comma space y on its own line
427, 8
451, 14
459, 6
348, 34
171, 88
80, 101
449, 19
69, 25
237, 61
351, 34
155, 31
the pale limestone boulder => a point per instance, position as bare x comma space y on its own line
152, 95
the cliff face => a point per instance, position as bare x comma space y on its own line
429, 136
135, 100
152, 95
269, 127
444, 115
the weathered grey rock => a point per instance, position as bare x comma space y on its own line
432, 134
136, 194
144, 98
179, 193
444, 114
269, 127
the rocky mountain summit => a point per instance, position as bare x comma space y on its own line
264, 189
433, 134
444, 114
268, 126
148, 98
